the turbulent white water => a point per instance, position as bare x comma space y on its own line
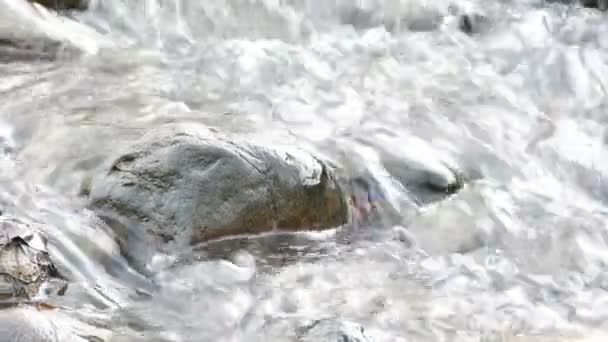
375, 85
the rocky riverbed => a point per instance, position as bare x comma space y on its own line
341, 171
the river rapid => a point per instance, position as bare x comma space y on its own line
519, 106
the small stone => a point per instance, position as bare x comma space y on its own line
328, 330
472, 23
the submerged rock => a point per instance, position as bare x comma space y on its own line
333, 331
190, 186
33, 49
420, 171
29, 324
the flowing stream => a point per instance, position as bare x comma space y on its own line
373, 84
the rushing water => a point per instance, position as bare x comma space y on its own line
373, 84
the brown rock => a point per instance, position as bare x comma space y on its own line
192, 186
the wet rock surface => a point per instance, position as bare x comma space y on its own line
393, 179
329, 330
473, 23
18, 49
28, 281
64, 4
602, 5
25, 264
599, 4
189, 186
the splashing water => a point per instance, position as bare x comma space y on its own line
375, 85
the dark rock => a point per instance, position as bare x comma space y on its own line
64, 4
329, 330
471, 23
187, 187
32, 49
599, 4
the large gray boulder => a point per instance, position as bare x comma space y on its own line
186, 185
